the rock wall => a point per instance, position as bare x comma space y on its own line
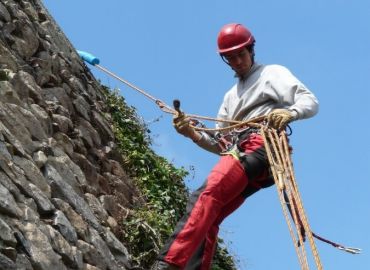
62, 188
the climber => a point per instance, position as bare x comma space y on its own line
261, 90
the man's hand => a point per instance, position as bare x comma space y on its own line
279, 118
182, 125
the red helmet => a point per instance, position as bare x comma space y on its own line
233, 36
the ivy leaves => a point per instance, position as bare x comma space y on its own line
159, 181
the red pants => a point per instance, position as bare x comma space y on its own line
193, 243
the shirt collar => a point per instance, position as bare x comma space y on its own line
253, 68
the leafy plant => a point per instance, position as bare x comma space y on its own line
160, 183
222, 259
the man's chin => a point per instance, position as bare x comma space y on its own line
242, 72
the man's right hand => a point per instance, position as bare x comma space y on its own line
181, 122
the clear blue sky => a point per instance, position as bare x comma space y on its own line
169, 49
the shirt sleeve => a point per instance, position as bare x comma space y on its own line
208, 141
292, 93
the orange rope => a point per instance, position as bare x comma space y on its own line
281, 168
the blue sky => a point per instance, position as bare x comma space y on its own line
169, 49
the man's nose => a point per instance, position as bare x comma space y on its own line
238, 60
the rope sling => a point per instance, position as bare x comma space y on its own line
281, 166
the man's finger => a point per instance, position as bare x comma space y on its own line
178, 118
182, 125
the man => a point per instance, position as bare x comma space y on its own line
261, 90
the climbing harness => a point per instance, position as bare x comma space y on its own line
228, 140
279, 157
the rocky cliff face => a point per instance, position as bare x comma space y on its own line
62, 188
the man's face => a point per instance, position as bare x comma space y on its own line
240, 61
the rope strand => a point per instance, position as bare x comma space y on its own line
271, 139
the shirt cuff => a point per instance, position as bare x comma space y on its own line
200, 138
294, 113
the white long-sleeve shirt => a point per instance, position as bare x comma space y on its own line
265, 88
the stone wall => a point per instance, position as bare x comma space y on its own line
62, 188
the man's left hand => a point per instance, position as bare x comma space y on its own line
279, 118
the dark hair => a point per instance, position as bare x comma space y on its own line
249, 48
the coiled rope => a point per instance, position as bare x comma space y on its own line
281, 167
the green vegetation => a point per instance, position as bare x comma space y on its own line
160, 183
